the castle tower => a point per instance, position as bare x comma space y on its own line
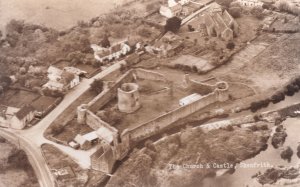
81, 113
128, 98
222, 91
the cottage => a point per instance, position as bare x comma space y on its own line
22, 117
91, 137
173, 9
6, 113
61, 80
170, 12
184, 2
114, 52
84, 143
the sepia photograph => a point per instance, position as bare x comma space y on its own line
149, 93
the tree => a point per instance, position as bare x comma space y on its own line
173, 24
15, 26
230, 45
1, 90
5, 81
85, 44
225, 3
105, 42
235, 12
257, 12
287, 154
97, 86
57, 129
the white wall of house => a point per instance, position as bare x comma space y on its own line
4, 122
184, 2
16, 123
166, 11
74, 82
125, 49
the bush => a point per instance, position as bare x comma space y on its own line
290, 90
149, 144
230, 45
229, 128
254, 106
225, 3
57, 129
2, 140
297, 81
19, 159
152, 6
257, 12
264, 127
285, 6
277, 97
287, 154
195, 69
253, 128
173, 24
97, 86
256, 118
146, 33
235, 12
15, 26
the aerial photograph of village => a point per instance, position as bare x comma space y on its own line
149, 93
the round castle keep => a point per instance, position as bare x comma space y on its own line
81, 112
128, 98
222, 90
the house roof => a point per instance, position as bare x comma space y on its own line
176, 8
24, 111
90, 136
74, 70
116, 48
68, 77
105, 134
189, 99
11, 110
103, 53
54, 70
53, 84
80, 139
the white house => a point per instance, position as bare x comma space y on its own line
184, 2
61, 79
22, 117
114, 52
6, 113
75, 71
250, 3
170, 11
189, 99
16, 118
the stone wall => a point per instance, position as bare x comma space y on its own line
149, 75
107, 95
162, 122
95, 122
